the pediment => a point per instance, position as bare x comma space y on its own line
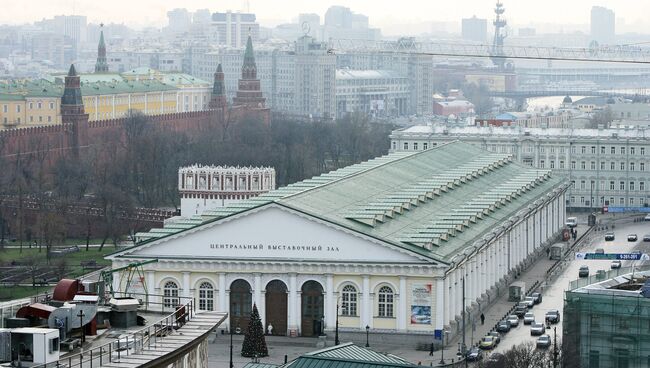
274, 232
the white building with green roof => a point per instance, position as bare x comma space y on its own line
384, 244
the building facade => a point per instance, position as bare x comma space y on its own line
387, 243
232, 29
474, 29
606, 321
606, 167
205, 187
377, 93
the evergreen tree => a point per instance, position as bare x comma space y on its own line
254, 342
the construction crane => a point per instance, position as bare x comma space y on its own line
125, 282
409, 45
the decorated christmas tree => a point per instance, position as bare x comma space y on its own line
254, 343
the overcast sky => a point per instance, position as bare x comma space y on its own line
382, 13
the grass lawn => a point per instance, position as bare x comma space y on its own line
72, 259
19, 292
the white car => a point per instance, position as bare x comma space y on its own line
632, 237
529, 318
647, 217
537, 329
514, 320
530, 301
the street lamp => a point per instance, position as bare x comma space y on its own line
336, 332
367, 332
442, 358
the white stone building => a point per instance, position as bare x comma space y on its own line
206, 187
606, 167
379, 93
387, 243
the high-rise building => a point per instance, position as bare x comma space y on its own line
180, 21
315, 79
232, 29
48, 46
474, 29
603, 25
72, 27
341, 22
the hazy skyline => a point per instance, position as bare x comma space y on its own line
382, 13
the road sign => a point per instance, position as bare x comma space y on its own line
612, 256
437, 334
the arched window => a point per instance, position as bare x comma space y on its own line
170, 294
349, 301
385, 302
206, 296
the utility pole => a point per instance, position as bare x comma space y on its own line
230, 327
464, 347
336, 332
555, 352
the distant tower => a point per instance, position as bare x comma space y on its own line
499, 35
249, 92
101, 66
73, 115
218, 98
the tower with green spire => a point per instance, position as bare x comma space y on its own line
218, 96
73, 115
101, 66
249, 93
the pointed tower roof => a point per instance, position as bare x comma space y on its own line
72, 91
72, 72
249, 56
101, 66
218, 88
219, 68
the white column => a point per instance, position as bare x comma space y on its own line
293, 301
330, 302
445, 295
151, 287
222, 292
402, 313
440, 304
366, 316
451, 297
257, 297
186, 285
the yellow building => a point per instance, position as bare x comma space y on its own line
105, 96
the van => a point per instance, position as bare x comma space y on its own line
571, 222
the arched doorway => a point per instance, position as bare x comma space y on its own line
311, 317
241, 305
276, 307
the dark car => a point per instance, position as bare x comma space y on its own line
538, 297
496, 358
503, 326
544, 341
646, 238
609, 236
552, 316
583, 271
521, 309
474, 354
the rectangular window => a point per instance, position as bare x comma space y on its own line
583, 149
621, 201
622, 166
631, 185
573, 165
583, 165
642, 185
4, 108
561, 164
612, 165
602, 149
573, 184
612, 186
31, 106
552, 163
415, 146
593, 150
425, 146
31, 119
53, 345
51, 105
631, 201
394, 145
642, 151
602, 165
621, 185
582, 184
632, 151
406, 146
613, 151
622, 150
17, 108
632, 166
49, 119
39, 105
573, 149
641, 166
541, 164
593, 165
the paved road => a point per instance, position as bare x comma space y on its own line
553, 295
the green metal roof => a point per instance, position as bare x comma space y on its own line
346, 356
434, 203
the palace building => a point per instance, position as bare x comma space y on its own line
386, 243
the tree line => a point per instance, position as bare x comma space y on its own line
137, 166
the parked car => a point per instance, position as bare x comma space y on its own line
538, 297
496, 335
530, 300
647, 217
615, 264
571, 222
529, 318
496, 358
521, 309
609, 236
646, 238
552, 316
600, 251
536, 329
632, 237
583, 271
474, 354
544, 341
513, 319
503, 326
487, 343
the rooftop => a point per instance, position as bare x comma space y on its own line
630, 284
434, 203
345, 74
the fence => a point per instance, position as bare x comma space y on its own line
146, 338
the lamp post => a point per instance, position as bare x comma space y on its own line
367, 332
336, 331
231, 365
442, 352
555, 352
81, 325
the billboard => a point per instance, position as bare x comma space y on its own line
421, 304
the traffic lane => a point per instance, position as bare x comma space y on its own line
553, 295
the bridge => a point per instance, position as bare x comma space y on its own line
643, 93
